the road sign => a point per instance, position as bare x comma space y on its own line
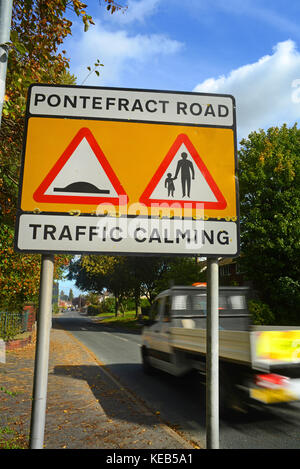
81, 175
147, 171
196, 184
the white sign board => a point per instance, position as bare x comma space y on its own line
145, 171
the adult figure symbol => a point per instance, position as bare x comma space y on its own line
187, 170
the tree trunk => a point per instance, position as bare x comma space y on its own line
137, 298
122, 309
116, 305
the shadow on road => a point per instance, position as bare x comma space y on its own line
81, 320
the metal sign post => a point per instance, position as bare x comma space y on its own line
212, 355
38, 414
5, 22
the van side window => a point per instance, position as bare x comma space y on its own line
223, 303
199, 303
237, 302
179, 302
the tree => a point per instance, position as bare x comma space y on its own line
71, 295
19, 274
130, 277
269, 178
92, 298
79, 301
180, 271
38, 30
96, 273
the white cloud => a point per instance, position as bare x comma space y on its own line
119, 51
136, 11
265, 91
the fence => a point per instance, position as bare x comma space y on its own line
12, 321
18, 321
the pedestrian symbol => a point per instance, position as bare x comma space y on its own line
183, 177
187, 170
170, 184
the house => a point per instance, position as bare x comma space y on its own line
230, 273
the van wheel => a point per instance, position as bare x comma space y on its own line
225, 396
230, 402
147, 368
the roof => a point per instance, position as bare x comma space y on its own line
187, 288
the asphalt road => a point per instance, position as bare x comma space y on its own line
181, 401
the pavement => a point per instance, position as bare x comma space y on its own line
87, 408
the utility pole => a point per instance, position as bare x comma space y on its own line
5, 24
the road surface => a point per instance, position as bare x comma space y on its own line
181, 401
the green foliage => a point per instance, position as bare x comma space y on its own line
269, 179
37, 32
71, 295
146, 310
92, 298
261, 313
93, 310
105, 307
128, 320
8, 392
19, 274
129, 278
288, 298
91, 70
10, 438
10, 325
179, 271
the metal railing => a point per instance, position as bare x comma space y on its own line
17, 321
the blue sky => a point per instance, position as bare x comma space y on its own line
247, 48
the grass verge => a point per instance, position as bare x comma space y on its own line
128, 320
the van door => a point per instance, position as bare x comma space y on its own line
159, 336
150, 333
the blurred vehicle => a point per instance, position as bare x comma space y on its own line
257, 364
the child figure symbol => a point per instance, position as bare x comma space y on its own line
169, 184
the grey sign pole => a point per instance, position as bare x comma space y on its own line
212, 355
38, 413
5, 23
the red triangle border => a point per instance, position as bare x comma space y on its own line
221, 203
40, 196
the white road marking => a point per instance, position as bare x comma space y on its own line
118, 337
